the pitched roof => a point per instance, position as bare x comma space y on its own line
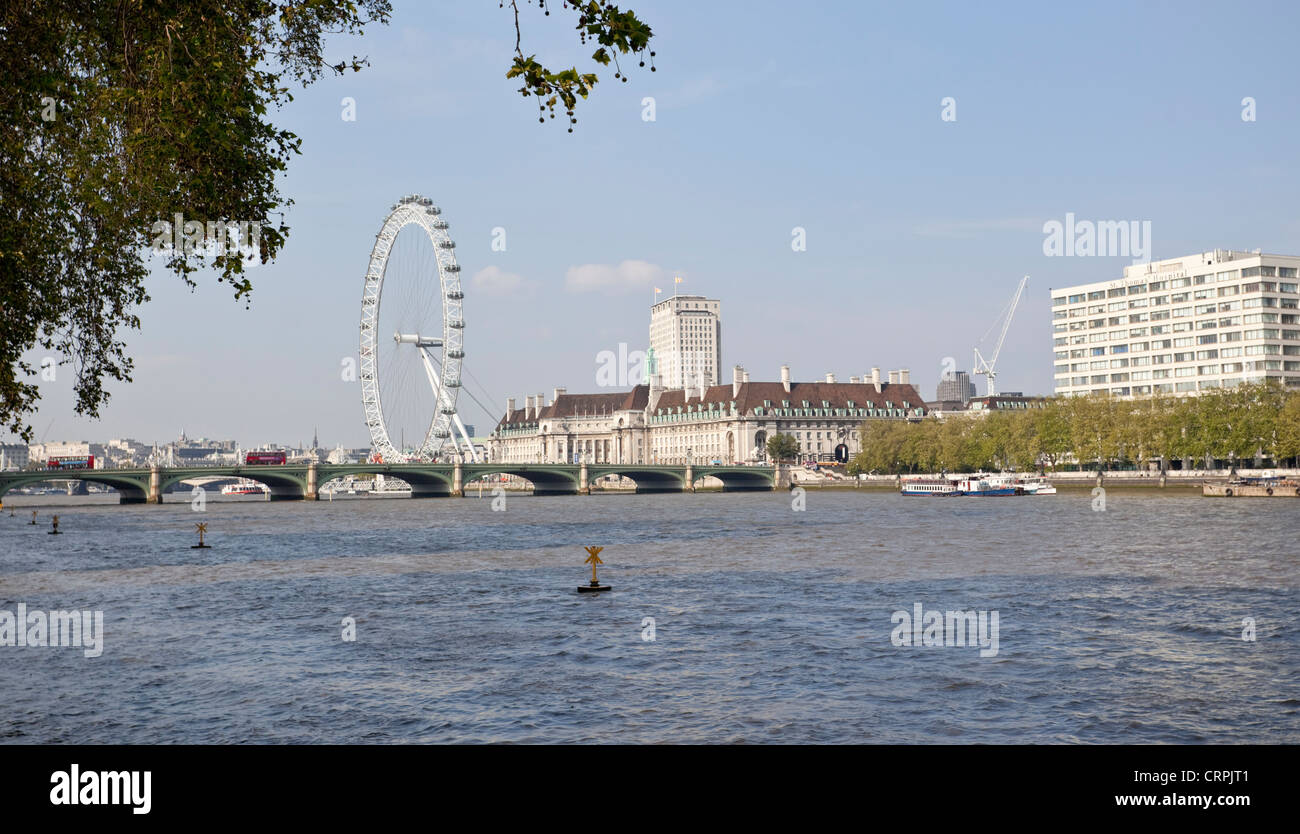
581, 405
752, 395
838, 394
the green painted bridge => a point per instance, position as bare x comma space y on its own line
299, 482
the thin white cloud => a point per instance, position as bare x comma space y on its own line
699, 89
628, 276
493, 280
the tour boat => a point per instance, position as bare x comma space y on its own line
978, 484
989, 485
929, 486
248, 488
1037, 486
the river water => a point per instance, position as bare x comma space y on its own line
770, 624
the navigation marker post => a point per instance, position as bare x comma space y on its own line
202, 528
55, 521
33, 517
593, 559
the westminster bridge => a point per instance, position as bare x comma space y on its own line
302, 482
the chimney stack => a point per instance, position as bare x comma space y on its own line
539, 402
737, 377
830, 377
558, 392
904, 376
893, 377
785, 378
744, 377
528, 406
875, 378
510, 406
853, 380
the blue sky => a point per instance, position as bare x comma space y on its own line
769, 116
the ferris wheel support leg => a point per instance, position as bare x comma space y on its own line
455, 417
433, 381
469, 444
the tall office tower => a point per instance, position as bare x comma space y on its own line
686, 335
957, 388
1180, 326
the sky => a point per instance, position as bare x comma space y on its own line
769, 117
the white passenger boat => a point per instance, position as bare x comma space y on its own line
929, 486
1037, 486
987, 485
978, 485
244, 488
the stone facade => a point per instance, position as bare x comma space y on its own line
724, 423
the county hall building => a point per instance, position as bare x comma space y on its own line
652, 424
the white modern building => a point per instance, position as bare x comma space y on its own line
1180, 326
13, 456
686, 340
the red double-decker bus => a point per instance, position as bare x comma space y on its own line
264, 458
71, 462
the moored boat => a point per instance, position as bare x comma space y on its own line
992, 485
979, 484
1037, 486
929, 486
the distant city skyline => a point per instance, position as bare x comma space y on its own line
847, 220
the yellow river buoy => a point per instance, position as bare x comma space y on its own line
202, 528
593, 559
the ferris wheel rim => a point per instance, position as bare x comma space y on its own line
419, 211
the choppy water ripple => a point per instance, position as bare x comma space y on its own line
771, 626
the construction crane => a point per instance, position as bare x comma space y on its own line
987, 366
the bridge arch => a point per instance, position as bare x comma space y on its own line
432, 481
131, 488
283, 485
648, 479
738, 478
547, 479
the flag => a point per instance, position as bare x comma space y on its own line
657, 290
678, 279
